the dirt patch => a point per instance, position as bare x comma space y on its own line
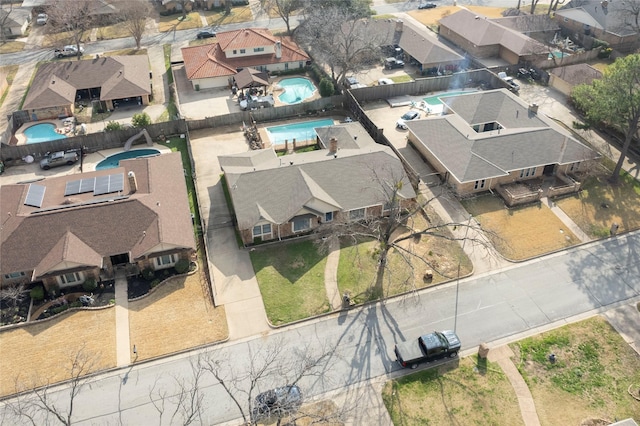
177, 315
589, 379
40, 353
522, 232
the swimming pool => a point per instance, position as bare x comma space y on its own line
298, 131
435, 99
113, 161
42, 132
558, 54
296, 90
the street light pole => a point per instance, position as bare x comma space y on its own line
455, 315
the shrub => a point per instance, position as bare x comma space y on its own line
141, 119
154, 283
113, 126
90, 285
37, 293
148, 274
605, 53
76, 304
112, 301
54, 290
182, 266
326, 88
599, 43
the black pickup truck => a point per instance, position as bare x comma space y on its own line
428, 348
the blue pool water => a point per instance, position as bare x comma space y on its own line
558, 54
298, 131
113, 161
296, 90
435, 99
42, 132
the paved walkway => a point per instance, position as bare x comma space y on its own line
568, 222
626, 320
331, 275
123, 349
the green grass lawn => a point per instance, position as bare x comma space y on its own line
474, 393
590, 378
291, 280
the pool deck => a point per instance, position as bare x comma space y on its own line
22, 139
262, 129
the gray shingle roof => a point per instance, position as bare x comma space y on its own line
525, 139
616, 18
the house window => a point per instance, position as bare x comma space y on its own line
70, 278
258, 49
357, 214
328, 217
301, 224
286, 65
479, 184
531, 171
262, 231
242, 51
14, 275
166, 260
235, 51
300, 64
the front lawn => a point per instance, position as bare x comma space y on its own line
601, 204
238, 15
114, 31
176, 23
474, 393
11, 46
590, 379
291, 280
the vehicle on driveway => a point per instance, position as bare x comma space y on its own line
42, 19
407, 116
276, 403
392, 63
69, 50
383, 81
427, 6
205, 34
513, 86
59, 158
429, 347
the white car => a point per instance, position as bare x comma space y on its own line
408, 116
384, 81
42, 19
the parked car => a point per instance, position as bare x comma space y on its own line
513, 86
427, 348
69, 50
391, 63
42, 19
351, 81
205, 34
277, 403
427, 6
407, 116
59, 158
383, 81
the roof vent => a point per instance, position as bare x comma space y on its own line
333, 145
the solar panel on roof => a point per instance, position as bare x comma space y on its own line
72, 188
35, 195
86, 185
109, 183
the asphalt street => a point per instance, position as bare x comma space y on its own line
360, 342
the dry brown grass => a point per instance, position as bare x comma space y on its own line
40, 353
431, 17
523, 232
176, 316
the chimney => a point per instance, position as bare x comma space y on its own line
533, 108
278, 49
133, 184
333, 146
399, 25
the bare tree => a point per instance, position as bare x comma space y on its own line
135, 14
5, 13
284, 9
37, 405
13, 294
73, 18
187, 402
346, 45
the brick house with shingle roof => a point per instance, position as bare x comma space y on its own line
492, 138
57, 86
63, 240
212, 65
275, 198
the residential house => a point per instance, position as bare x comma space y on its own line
14, 21
613, 22
214, 65
275, 198
486, 39
64, 230
492, 138
102, 12
175, 6
115, 80
564, 79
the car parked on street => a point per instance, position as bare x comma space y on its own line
407, 116
427, 6
59, 158
276, 403
207, 33
428, 347
69, 50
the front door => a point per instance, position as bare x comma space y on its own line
120, 259
549, 169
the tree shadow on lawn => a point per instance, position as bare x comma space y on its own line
292, 259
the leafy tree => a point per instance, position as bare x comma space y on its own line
37, 293
141, 119
112, 125
284, 9
135, 14
326, 87
615, 101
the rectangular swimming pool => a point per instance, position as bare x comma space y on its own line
299, 131
435, 99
